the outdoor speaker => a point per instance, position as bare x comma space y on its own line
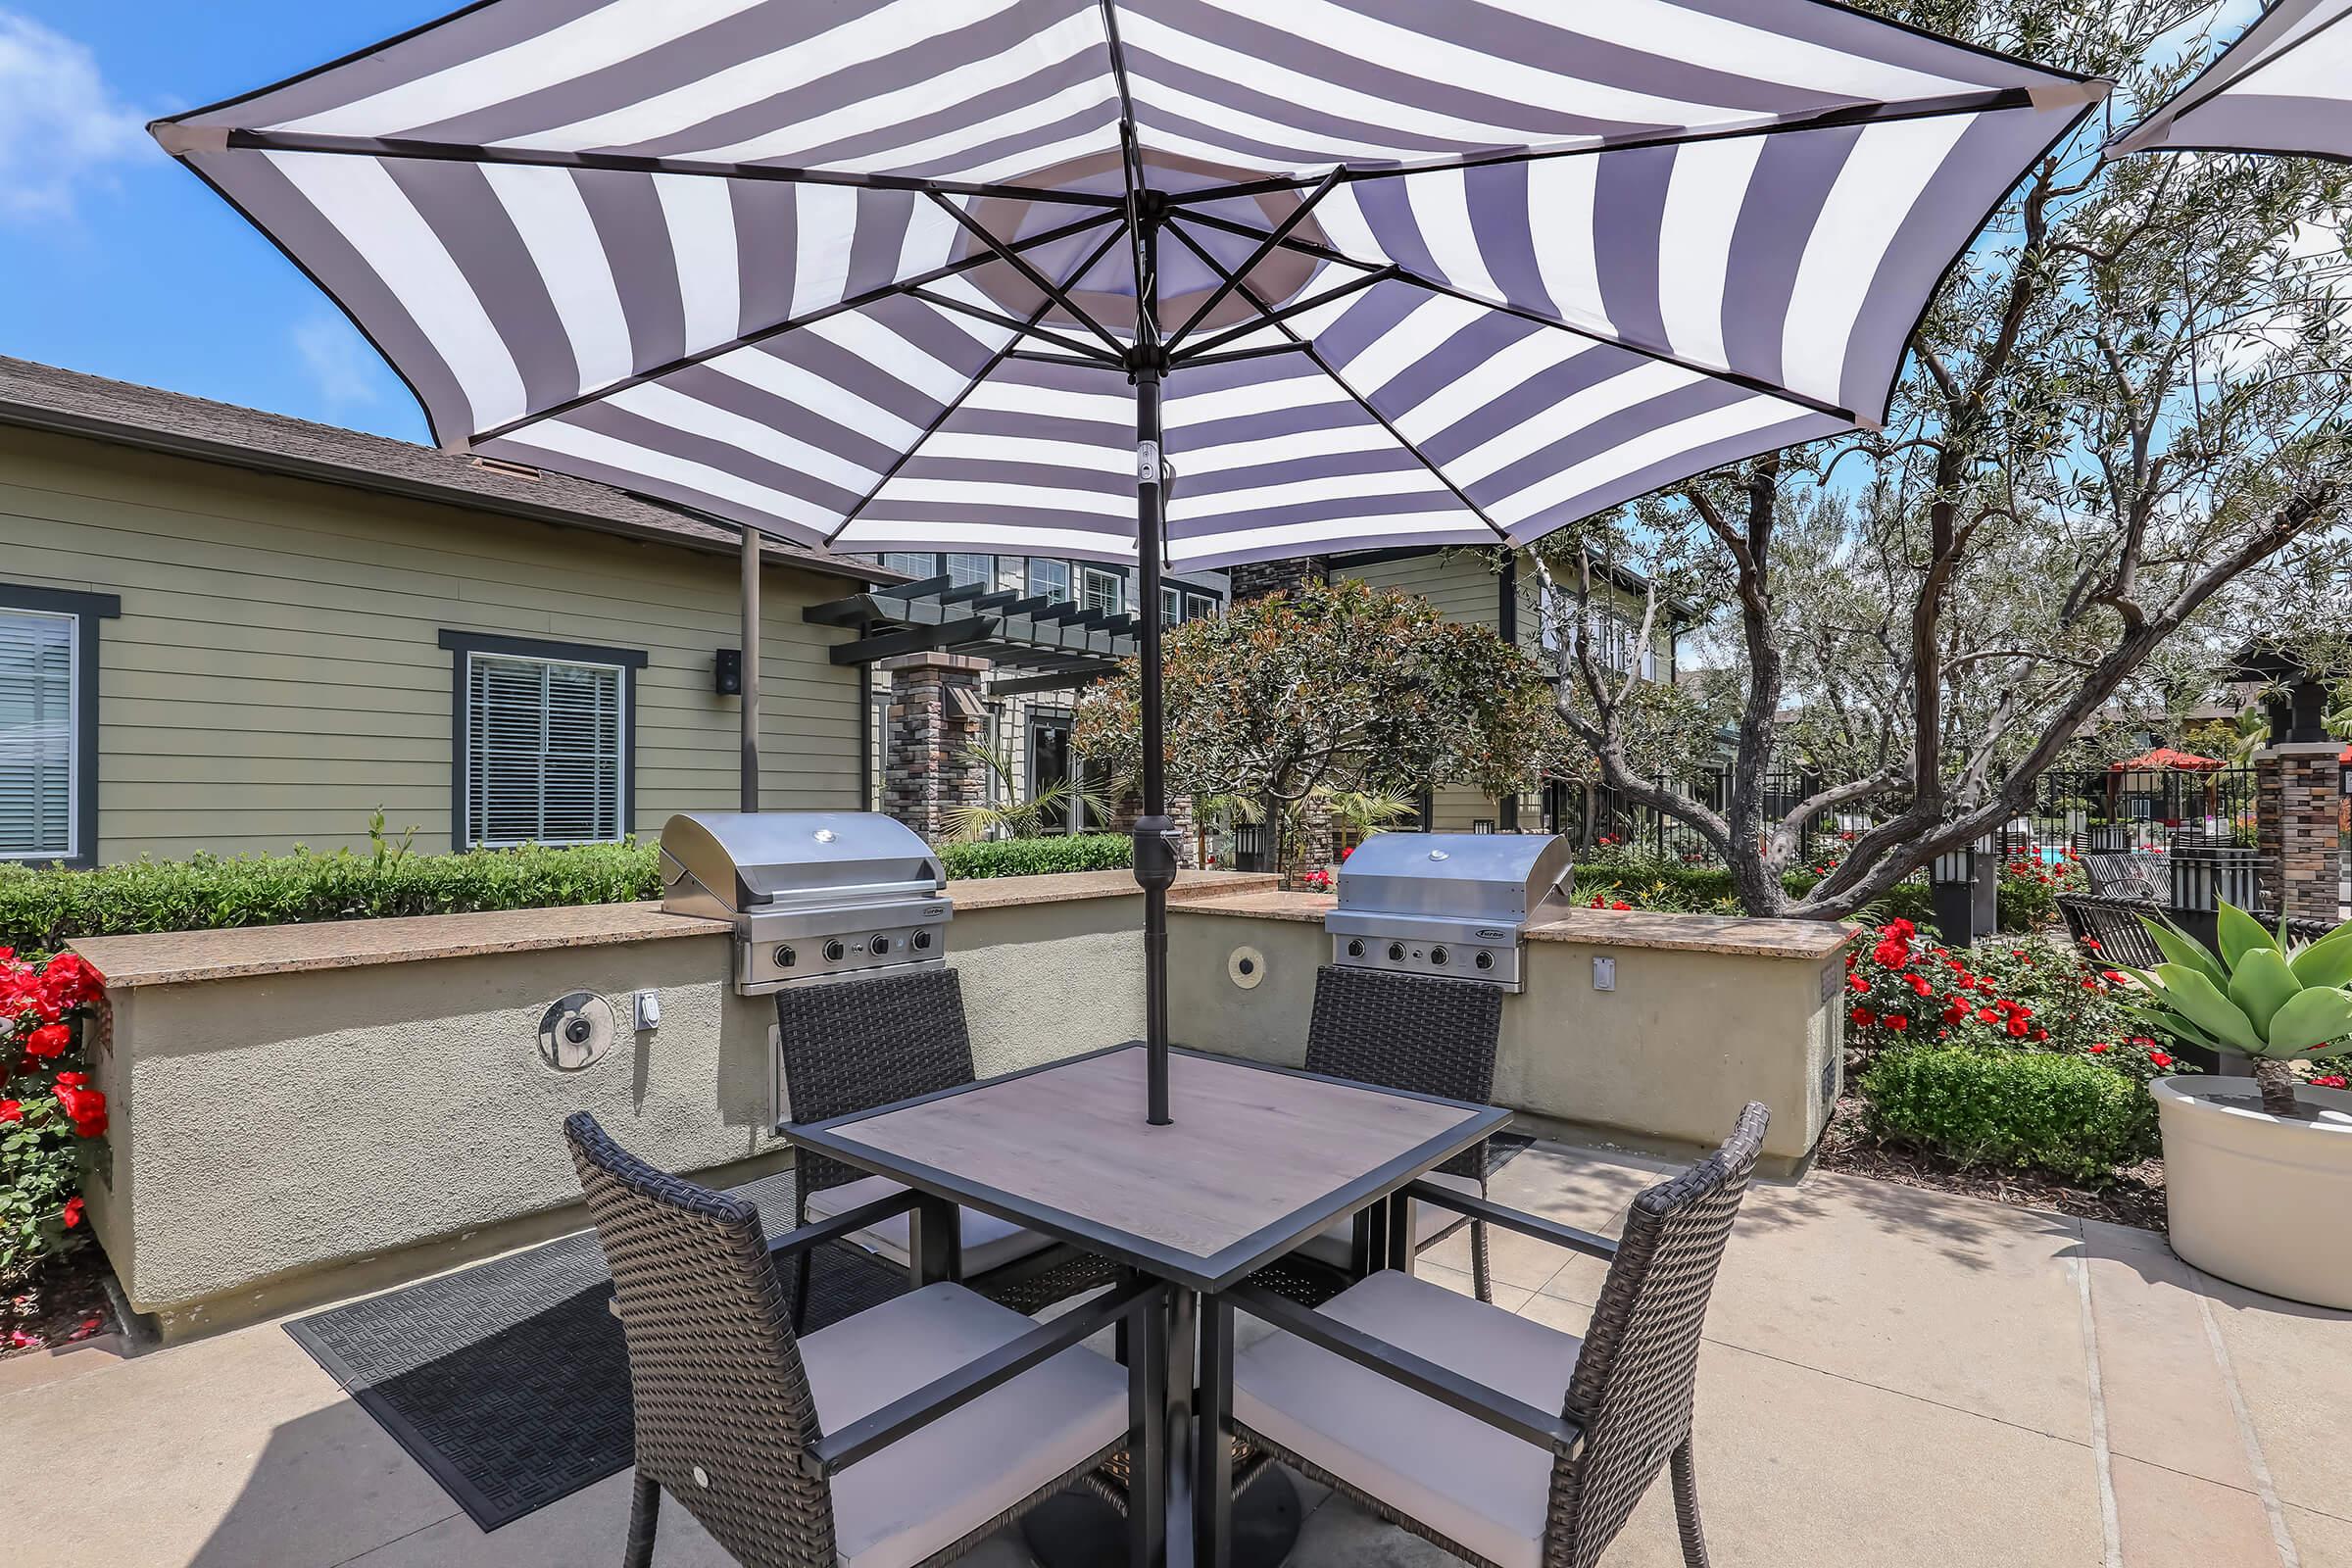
726, 673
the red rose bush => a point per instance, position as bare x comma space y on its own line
48, 1106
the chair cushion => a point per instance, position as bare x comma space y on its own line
1335, 1243
940, 1481
988, 1241
1483, 1489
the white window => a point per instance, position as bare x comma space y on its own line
1049, 580
912, 564
1171, 605
962, 569
1198, 605
545, 750
1101, 590
39, 750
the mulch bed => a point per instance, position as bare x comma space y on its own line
2136, 1197
61, 1301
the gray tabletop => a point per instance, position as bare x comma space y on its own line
1257, 1158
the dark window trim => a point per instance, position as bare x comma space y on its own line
87, 611
461, 643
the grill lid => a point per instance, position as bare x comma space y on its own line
1497, 877
736, 863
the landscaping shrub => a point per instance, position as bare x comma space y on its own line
1641, 880
2067, 1115
1068, 851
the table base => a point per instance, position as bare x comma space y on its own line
1080, 1530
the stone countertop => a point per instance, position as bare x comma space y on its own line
182, 958
1600, 928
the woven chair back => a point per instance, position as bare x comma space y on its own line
1632, 1390
1400, 1031
852, 1045
2115, 925
722, 1404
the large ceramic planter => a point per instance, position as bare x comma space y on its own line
2255, 1198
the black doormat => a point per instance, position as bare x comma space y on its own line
510, 1382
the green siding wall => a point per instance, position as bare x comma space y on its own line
274, 675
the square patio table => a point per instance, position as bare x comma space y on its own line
1257, 1160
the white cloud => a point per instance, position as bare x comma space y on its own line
341, 365
61, 127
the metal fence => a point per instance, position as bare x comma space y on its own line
2126, 812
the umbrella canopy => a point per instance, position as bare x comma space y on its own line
2164, 758
1172, 283
2284, 87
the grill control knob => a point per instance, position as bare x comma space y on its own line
1395, 953
1485, 960
1355, 948
785, 956
878, 947
1436, 956
833, 951
922, 941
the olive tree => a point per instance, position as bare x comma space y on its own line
2118, 450
1334, 686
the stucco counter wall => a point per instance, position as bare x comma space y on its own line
1705, 1015
299, 1111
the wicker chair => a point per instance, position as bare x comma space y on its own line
905, 1433
1438, 1412
852, 1045
1426, 1037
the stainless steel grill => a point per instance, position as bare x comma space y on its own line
1451, 906
812, 894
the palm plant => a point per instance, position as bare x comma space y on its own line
1012, 816
2274, 1002
1368, 811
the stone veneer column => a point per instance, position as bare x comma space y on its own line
2298, 799
1252, 579
928, 768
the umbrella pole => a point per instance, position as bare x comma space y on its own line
1154, 852
749, 791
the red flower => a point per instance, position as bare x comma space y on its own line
84, 1107
2112, 977
1987, 1015
1897, 1022
1621, 905
1985, 985
72, 1216
49, 1040
2332, 1080
1919, 985
2093, 943
2157, 1058
12, 1110
2101, 1048
1863, 1017
2017, 1026
2039, 1033
1857, 985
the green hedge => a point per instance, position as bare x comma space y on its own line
2066, 1114
1080, 851
1650, 884
40, 908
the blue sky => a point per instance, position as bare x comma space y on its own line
114, 259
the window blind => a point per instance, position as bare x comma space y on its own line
545, 751
36, 735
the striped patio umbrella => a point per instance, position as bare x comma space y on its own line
1181, 284
2284, 87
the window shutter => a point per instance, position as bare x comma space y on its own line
545, 751
36, 735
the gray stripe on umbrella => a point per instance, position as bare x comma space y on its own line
1671, 470
1591, 439
635, 237
1040, 473
1195, 490
834, 433
1202, 518
2264, 122
1629, 187
1530, 402
830, 362
1792, 178
458, 204
611, 419
661, 489
767, 226
1095, 517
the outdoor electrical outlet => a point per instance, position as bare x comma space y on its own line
1604, 974
649, 1009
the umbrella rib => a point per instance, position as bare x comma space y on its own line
1131, 164
1196, 354
1838, 117
1265, 248
1315, 357
1027, 327
973, 226
932, 429
791, 323
1402, 274
194, 139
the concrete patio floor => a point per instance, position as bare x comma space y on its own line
1890, 1376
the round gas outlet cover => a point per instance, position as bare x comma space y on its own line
576, 1031
1246, 968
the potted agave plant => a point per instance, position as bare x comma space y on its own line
2236, 1146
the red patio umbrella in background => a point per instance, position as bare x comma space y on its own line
2164, 756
